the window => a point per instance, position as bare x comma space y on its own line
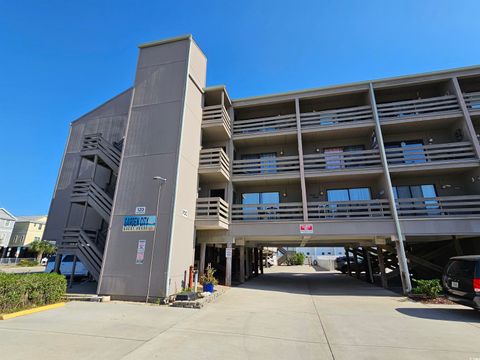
36, 238
267, 163
338, 209
40, 226
335, 157
268, 211
7, 223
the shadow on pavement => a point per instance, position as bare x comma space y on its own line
446, 314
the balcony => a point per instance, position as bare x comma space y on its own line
265, 126
421, 108
268, 167
446, 206
214, 165
458, 154
211, 214
472, 100
332, 119
267, 212
357, 209
346, 162
216, 123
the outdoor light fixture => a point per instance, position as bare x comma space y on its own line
446, 186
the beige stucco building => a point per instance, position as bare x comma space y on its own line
172, 173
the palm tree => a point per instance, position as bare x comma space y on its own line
41, 247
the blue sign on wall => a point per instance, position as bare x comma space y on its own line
139, 223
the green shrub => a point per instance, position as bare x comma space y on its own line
431, 288
27, 263
23, 291
296, 259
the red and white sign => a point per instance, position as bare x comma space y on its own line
306, 228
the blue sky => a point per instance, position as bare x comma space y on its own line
59, 59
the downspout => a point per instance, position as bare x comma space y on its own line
402, 258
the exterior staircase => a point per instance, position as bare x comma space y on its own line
95, 144
285, 255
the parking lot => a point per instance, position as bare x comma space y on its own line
288, 313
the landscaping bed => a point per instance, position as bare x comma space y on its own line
26, 291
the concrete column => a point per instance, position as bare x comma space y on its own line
466, 116
381, 265
399, 239
228, 266
260, 257
300, 157
201, 265
366, 255
347, 255
255, 261
357, 267
248, 262
241, 249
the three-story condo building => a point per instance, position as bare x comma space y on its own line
171, 173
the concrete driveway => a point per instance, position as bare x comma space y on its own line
288, 313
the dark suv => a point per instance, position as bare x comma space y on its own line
461, 280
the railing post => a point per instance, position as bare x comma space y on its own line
466, 116
402, 258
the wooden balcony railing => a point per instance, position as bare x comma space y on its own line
213, 208
342, 160
421, 107
267, 212
472, 100
420, 154
266, 166
265, 124
347, 116
466, 205
214, 159
326, 210
216, 115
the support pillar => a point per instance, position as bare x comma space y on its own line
399, 239
201, 265
228, 266
58, 258
261, 260
366, 256
357, 266
74, 266
241, 249
248, 262
255, 261
347, 255
381, 265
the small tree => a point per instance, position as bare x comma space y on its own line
41, 247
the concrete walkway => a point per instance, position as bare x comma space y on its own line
289, 313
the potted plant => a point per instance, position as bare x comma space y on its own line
208, 279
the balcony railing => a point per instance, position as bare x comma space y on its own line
216, 115
419, 154
472, 100
342, 160
213, 208
265, 124
347, 116
267, 166
214, 159
422, 107
466, 205
327, 210
267, 212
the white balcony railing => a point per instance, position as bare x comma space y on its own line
216, 115
446, 206
326, 210
421, 107
267, 166
267, 212
419, 154
349, 160
472, 100
347, 116
265, 125
213, 208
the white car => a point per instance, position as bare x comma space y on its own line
66, 266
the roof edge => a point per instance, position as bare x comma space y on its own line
166, 41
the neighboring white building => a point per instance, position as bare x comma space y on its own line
7, 222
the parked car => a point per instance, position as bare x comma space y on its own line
461, 280
66, 266
341, 264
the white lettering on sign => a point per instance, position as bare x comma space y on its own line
228, 252
140, 210
306, 228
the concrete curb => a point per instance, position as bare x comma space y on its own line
31, 311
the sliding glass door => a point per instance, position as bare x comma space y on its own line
266, 205
420, 204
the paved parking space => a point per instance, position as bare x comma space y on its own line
288, 313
